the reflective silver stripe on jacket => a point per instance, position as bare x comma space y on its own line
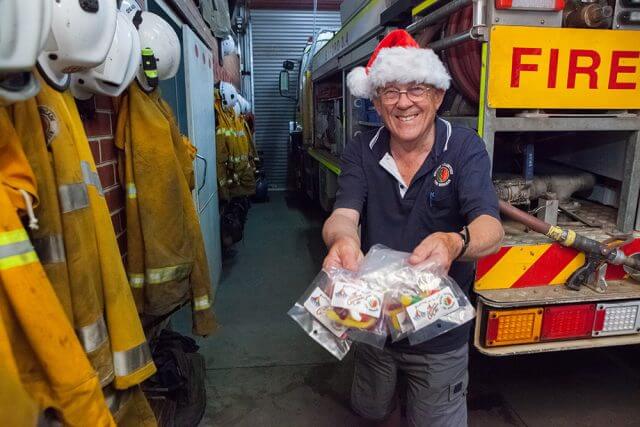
132, 191
167, 274
73, 197
136, 280
50, 249
91, 177
93, 336
201, 303
129, 361
13, 249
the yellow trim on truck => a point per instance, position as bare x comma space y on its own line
325, 159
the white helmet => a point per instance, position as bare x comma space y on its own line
228, 46
22, 36
247, 107
160, 43
118, 70
228, 94
81, 34
24, 27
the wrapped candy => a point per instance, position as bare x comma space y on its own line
310, 312
387, 297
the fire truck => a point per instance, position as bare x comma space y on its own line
553, 88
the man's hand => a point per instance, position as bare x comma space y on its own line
439, 248
344, 253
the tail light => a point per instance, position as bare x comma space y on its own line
506, 327
567, 321
617, 318
561, 322
539, 5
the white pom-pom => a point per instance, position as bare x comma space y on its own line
358, 83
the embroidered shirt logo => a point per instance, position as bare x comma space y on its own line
442, 175
50, 124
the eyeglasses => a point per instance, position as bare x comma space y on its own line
415, 94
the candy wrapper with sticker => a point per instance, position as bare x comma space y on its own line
311, 312
358, 305
421, 302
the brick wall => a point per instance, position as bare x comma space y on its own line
100, 130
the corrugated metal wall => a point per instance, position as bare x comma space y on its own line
278, 35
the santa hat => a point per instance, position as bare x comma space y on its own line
398, 58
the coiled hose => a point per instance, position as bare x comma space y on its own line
464, 60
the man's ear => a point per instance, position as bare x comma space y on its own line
377, 105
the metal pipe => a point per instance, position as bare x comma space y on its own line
562, 185
479, 7
448, 42
570, 238
437, 15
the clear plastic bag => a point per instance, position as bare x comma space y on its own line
358, 306
310, 312
421, 302
386, 297
441, 307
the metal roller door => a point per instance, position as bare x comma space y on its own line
278, 35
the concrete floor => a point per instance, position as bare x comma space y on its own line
262, 370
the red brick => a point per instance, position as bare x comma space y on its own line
122, 243
107, 174
100, 125
95, 150
104, 103
115, 198
107, 150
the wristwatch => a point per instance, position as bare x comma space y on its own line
466, 238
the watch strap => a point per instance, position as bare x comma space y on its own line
466, 238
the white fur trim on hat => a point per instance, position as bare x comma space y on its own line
402, 65
358, 83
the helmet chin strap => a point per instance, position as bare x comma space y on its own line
46, 72
16, 87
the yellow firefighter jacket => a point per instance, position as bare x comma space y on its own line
242, 159
51, 362
166, 259
235, 154
78, 236
185, 151
222, 150
17, 408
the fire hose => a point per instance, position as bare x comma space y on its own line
597, 253
464, 60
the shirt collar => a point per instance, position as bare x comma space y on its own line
379, 144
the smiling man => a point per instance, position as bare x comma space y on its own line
422, 185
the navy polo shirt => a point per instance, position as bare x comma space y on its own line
450, 190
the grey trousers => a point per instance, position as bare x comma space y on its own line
436, 385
